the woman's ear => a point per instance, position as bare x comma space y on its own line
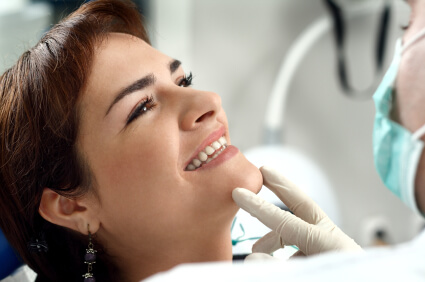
74, 214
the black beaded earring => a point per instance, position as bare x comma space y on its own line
89, 259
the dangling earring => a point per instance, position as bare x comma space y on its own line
89, 258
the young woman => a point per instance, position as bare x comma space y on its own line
106, 148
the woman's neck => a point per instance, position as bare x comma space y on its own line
200, 246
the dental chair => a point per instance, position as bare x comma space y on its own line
9, 261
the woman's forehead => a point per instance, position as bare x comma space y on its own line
120, 48
119, 60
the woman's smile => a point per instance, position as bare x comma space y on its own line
209, 150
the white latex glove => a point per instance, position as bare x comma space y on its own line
309, 228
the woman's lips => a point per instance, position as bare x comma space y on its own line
211, 152
214, 136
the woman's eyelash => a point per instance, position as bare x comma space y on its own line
146, 105
186, 81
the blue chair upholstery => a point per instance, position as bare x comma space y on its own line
9, 261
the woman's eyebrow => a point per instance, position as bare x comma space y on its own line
174, 65
139, 84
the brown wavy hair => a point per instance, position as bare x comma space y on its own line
39, 120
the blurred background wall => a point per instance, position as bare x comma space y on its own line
235, 48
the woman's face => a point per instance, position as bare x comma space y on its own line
141, 126
410, 99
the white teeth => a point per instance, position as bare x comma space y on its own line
196, 162
202, 156
216, 145
191, 167
209, 150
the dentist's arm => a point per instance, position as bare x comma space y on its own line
309, 228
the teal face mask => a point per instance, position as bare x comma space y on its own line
396, 150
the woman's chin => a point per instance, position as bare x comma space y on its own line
254, 178
222, 180
245, 175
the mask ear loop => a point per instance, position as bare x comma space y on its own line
419, 133
415, 38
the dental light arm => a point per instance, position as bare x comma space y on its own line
275, 110
276, 106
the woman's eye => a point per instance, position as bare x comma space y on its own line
146, 105
186, 81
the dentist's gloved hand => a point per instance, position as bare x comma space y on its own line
309, 228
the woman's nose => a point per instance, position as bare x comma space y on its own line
198, 107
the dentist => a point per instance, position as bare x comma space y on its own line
398, 141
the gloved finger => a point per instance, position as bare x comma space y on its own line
259, 256
292, 230
315, 240
298, 254
268, 243
293, 197
270, 215
309, 238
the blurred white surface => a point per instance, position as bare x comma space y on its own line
403, 263
20, 29
22, 274
8, 6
